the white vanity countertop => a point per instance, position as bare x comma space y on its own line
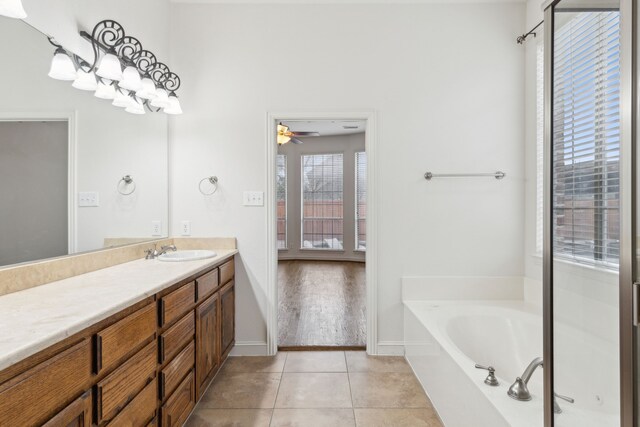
36, 318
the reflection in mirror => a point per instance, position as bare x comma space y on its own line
63, 156
586, 217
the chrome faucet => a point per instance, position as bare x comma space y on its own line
519, 389
154, 253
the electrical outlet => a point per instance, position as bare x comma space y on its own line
253, 198
185, 228
88, 199
156, 228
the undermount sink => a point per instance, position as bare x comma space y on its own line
193, 255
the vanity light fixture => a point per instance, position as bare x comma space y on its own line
12, 9
62, 66
121, 71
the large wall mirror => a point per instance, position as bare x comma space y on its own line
63, 156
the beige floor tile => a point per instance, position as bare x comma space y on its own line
314, 390
313, 418
230, 418
387, 390
242, 390
255, 363
315, 361
360, 361
397, 418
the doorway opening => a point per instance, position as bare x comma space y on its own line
321, 233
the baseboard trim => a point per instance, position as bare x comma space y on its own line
390, 348
249, 348
323, 348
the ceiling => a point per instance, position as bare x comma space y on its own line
393, 2
327, 127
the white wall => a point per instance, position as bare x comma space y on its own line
110, 142
446, 82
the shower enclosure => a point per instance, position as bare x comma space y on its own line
590, 309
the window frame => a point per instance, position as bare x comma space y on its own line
356, 244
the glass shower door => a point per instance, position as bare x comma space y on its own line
584, 214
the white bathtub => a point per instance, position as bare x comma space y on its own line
445, 339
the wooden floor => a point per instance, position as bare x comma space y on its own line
321, 304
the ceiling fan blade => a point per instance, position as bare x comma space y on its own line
296, 141
305, 133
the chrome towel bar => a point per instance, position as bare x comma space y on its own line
429, 175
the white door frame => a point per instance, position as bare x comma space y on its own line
70, 118
371, 275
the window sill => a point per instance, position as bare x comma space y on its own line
322, 250
538, 259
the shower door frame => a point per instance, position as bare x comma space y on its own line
629, 416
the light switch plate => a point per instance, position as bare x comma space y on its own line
253, 198
88, 199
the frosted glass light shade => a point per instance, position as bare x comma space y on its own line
122, 99
161, 100
131, 79
106, 90
12, 9
110, 67
62, 67
85, 81
148, 90
136, 107
174, 105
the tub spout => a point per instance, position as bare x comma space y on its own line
519, 389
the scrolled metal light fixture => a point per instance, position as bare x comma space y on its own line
121, 71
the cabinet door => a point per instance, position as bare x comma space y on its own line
78, 414
208, 341
228, 317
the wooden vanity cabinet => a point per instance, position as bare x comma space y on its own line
208, 341
145, 366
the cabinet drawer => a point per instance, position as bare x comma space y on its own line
175, 371
38, 394
180, 404
78, 414
176, 336
207, 284
141, 409
227, 270
175, 304
123, 337
123, 384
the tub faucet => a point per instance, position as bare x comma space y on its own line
519, 389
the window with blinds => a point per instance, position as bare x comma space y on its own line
361, 201
281, 200
322, 201
586, 137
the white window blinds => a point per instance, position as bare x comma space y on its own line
361, 200
322, 201
586, 137
281, 200
539, 142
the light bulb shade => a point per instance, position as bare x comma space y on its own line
85, 80
122, 99
12, 9
62, 67
106, 90
131, 79
174, 105
148, 90
162, 99
110, 67
136, 107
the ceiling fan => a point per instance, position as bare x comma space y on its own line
285, 135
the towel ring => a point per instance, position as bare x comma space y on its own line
213, 180
127, 181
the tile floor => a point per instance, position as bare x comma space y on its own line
312, 389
